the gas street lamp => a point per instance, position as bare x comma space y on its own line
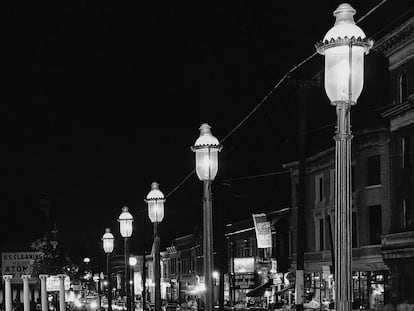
206, 149
125, 227
155, 200
108, 246
344, 47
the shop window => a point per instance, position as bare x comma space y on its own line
319, 191
373, 171
402, 88
375, 224
405, 152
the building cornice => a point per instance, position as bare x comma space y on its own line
400, 115
327, 154
402, 36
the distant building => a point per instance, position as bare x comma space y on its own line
398, 242
181, 270
253, 271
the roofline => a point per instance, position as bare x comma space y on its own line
292, 165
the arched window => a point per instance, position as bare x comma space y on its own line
402, 88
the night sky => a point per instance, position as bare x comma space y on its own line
99, 99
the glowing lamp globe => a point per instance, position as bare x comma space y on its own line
108, 241
125, 223
206, 149
155, 200
344, 47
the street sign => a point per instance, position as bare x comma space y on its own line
52, 283
244, 281
243, 265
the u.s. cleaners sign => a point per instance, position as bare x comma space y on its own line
18, 264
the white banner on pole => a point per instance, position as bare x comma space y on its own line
263, 232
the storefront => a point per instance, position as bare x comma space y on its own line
368, 288
321, 285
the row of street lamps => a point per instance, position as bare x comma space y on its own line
206, 150
344, 47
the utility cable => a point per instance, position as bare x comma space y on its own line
255, 176
264, 99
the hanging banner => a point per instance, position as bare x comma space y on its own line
263, 232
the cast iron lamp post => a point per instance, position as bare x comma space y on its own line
108, 246
125, 227
206, 149
155, 200
344, 47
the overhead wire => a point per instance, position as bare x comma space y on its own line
264, 99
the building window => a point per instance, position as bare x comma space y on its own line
290, 251
353, 178
402, 88
374, 171
331, 185
239, 249
173, 265
354, 230
247, 248
375, 224
319, 191
405, 152
406, 216
321, 234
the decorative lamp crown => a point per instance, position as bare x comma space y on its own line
344, 46
206, 149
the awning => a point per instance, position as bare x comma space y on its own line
259, 290
291, 286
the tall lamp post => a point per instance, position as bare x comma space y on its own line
206, 150
108, 246
344, 47
125, 227
155, 200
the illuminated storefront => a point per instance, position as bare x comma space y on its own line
368, 288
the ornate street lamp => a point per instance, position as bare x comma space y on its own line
344, 47
108, 246
155, 200
206, 149
125, 227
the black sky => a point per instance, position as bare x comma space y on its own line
102, 98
